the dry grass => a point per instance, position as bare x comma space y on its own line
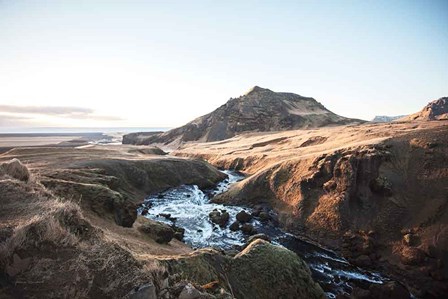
15, 169
56, 226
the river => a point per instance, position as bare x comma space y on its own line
189, 208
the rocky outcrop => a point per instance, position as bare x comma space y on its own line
249, 273
435, 110
259, 110
158, 231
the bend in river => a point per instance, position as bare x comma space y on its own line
189, 207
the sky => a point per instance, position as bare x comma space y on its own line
164, 63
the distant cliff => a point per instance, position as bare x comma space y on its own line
385, 118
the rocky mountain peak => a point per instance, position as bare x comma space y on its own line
257, 89
259, 110
435, 110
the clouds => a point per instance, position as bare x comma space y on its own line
15, 115
48, 110
12, 120
62, 111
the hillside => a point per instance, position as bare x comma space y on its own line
435, 110
374, 192
259, 110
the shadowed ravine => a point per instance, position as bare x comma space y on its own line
189, 208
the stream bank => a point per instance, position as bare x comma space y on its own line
189, 207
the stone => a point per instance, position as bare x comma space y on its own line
256, 212
263, 270
264, 216
179, 232
190, 292
248, 229
159, 232
243, 217
234, 226
146, 291
258, 236
220, 218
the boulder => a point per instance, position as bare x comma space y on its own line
262, 270
220, 218
146, 291
234, 226
179, 232
243, 217
256, 237
157, 231
248, 229
256, 211
264, 216
190, 292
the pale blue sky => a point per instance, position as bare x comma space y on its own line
163, 63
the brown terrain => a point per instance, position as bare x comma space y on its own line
435, 110
69, 229
260, 109
378, 193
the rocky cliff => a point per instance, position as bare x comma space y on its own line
435, 110
259, 110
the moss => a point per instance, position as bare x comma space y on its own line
263, 269
201, 267
260, 271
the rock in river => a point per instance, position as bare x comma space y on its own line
220, 218
243, 217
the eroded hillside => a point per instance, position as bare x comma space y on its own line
376, 192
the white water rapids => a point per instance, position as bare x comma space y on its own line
189, 208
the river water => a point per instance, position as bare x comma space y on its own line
189, 208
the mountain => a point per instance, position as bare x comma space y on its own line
435, 110
259, 110
385, 118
